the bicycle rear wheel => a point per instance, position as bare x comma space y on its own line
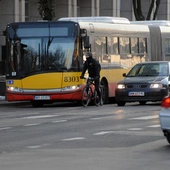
99, 100
96, 98
86, 96
102, 96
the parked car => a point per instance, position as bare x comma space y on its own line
164, 117
147, 81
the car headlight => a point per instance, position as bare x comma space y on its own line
120, 86
156, 85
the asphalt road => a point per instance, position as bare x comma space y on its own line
66, 136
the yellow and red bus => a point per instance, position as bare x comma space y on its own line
44, 58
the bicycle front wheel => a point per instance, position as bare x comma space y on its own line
86, 96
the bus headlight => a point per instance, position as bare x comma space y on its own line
14, 89
68, 88
156, 85
120, 86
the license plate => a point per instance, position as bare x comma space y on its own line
136, 93
41, 97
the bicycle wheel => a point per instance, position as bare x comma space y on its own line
96, 98
86, 96
102, 96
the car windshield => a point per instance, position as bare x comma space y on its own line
149, 69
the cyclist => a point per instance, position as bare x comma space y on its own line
93, 67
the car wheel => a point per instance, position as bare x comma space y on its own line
142, 102
121, 103
168, 138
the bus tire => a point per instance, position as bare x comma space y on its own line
121, 103
142, 102
37, 103
105, 92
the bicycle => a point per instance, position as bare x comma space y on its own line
89, 93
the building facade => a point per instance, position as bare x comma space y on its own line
27, 10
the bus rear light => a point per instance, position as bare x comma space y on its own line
166, 102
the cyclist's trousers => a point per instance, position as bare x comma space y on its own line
97, 83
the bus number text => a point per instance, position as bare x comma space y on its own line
71, 79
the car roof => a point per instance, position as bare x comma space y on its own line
153, 62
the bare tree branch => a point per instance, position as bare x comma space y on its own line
137, 7
156, 10
150, 10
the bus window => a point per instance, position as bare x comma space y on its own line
167, 49
134, 46
112, 45
142, 46
124, 45
100, 46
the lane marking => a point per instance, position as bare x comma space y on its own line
33, 124
104, 117
38, 117
154, 126
5, 128
144, 117
58, 121
134, 129
103, 133
72, 139
36, 146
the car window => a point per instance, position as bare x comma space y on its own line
163, 70
149, 69
134, 71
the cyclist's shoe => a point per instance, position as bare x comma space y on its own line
101, 102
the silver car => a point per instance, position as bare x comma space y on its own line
164, 117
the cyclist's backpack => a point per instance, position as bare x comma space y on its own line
98, 65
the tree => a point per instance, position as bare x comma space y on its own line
46, 9
138, 10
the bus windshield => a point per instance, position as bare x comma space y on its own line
32, 50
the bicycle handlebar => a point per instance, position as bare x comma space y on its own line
88, 78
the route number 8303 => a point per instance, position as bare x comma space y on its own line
71, 79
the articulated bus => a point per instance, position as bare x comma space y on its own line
45, 58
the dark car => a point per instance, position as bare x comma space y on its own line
147, 81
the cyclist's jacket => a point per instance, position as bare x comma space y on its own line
93, 67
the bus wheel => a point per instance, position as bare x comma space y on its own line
142, 102
105, 92
37, 103
121, 103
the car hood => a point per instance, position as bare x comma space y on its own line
149, 79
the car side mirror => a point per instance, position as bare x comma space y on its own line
124, 74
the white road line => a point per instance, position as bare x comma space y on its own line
134, 129
58, 121
154, 126
99, 118
103, 133
5, 128
34, 124
38, 117
144, 117
72, 139
36, 146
